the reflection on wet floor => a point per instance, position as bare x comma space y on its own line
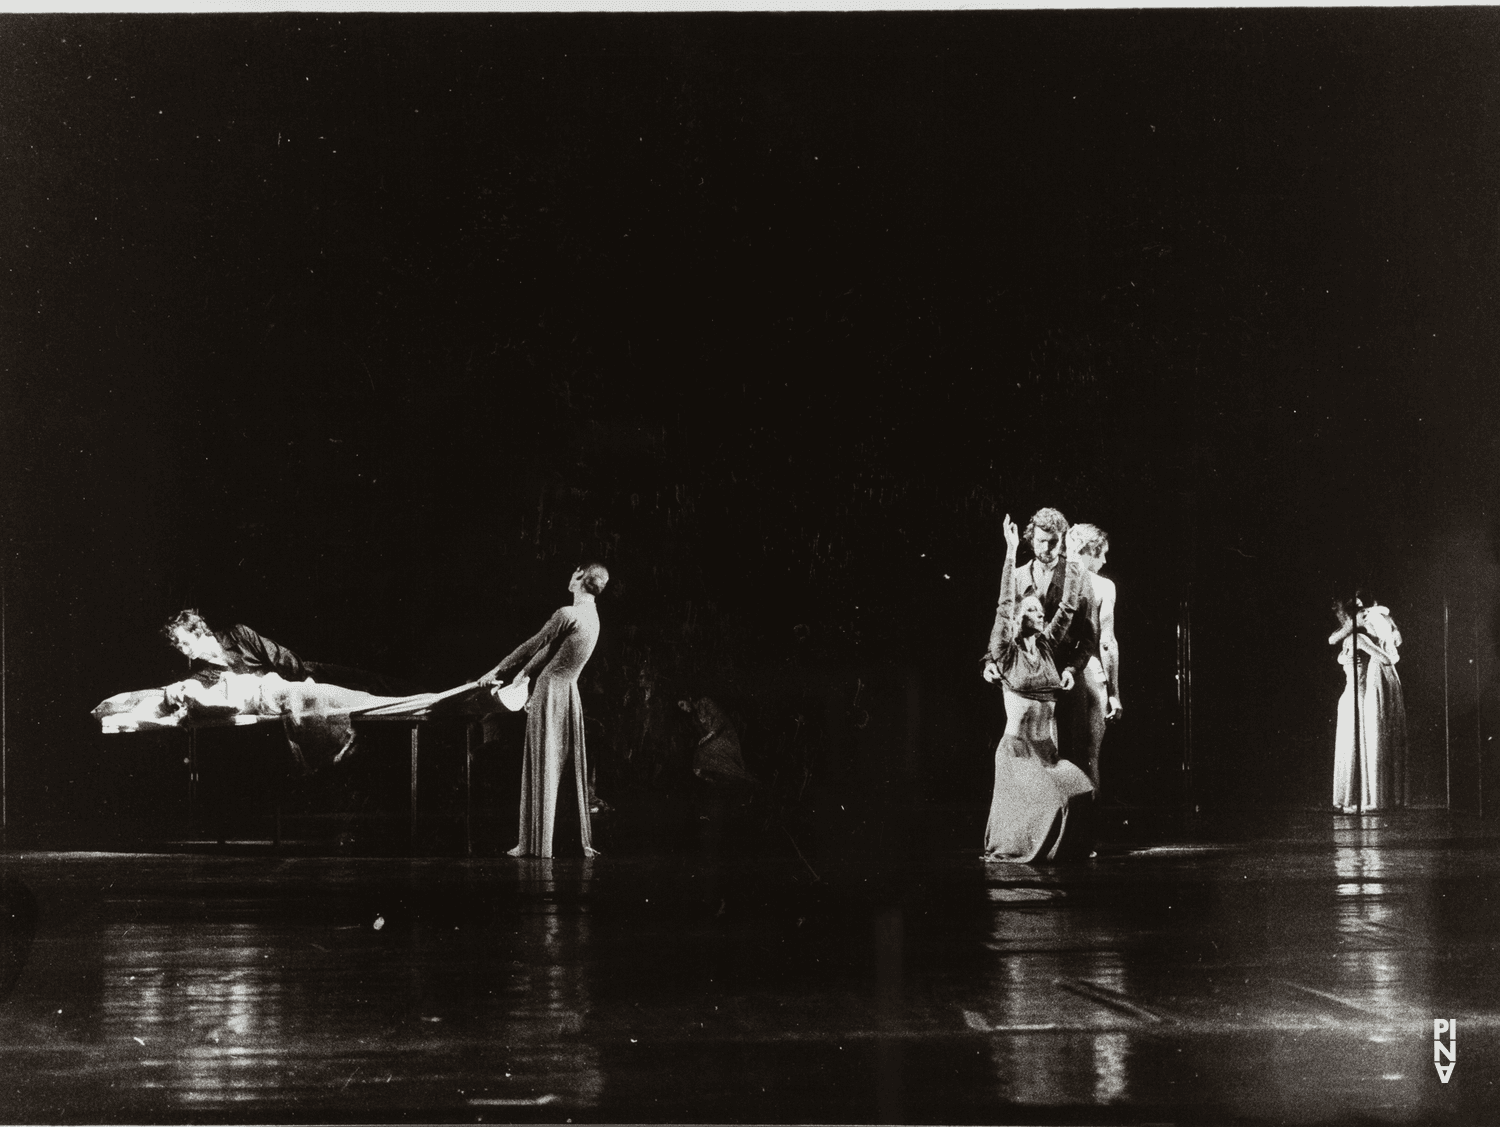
17, 930
1294, 977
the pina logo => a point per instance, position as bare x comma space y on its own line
1441, 1025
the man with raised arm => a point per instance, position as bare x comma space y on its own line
1094, 694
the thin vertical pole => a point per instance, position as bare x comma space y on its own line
4, 733
192, 779
276, 795
1447, 727
1478, 716
1185, 697
1192, 748
1356, 698
469, 789
1187, 790
414, 785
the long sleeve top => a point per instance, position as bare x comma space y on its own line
561, 647
246, 651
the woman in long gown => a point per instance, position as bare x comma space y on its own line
1034, 791
1382, 714
554, 712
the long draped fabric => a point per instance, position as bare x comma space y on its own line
554, 734
1382, 729
554, 723
1033, 796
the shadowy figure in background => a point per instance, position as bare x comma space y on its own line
717, 758
1382, 716
554, 711
1034, 792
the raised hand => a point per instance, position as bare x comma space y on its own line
1012, 535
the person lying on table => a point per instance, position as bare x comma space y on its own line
241, 650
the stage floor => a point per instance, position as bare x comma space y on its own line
1290, 971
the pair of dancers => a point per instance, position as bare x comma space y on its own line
1052, 642
1375, 779
239, 670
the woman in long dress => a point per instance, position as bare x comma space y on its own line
554, 712
1034, 791
1382, 714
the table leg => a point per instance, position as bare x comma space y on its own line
414, 787
469, 789
192, 762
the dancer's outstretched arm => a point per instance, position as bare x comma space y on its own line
538, 643
1003, 631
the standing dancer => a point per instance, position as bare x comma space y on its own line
1092, 638
554, 712
1033, 790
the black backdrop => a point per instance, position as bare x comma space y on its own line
363, 330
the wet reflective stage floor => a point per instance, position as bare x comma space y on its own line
1287, 972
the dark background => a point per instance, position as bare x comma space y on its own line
364, 330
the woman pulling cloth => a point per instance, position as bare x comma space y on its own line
554, 712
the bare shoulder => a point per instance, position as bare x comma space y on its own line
1104, 588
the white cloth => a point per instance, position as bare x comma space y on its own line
1382, 720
